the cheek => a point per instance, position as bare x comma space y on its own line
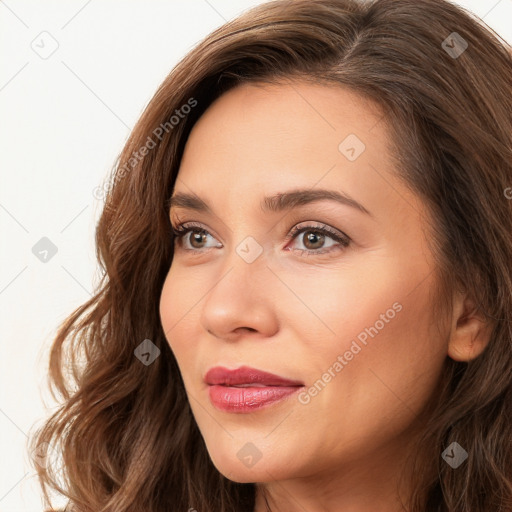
385, 358
329, 308
371, 343
168, 304
179, 311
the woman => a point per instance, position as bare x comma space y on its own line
342, 340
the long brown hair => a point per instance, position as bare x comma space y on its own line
125, 432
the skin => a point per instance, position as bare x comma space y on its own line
293, 314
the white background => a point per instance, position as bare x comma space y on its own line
65, 119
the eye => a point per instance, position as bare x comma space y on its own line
316, 236
199, 235
314, 243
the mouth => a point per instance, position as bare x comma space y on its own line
247, 389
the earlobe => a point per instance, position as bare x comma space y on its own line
471, 331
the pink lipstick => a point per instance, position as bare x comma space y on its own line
246, 389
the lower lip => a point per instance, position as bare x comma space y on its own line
243, 400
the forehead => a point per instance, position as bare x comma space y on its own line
286, 122
256, 140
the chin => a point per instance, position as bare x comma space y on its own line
234, 468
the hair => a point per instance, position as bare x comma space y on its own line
124, 430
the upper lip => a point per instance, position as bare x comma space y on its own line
246, 375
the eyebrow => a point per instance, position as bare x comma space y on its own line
275, 203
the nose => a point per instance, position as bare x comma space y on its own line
242, 301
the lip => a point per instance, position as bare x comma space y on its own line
246, 389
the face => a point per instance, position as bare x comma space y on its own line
335, 296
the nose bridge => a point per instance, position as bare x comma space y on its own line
246, 246
245, 265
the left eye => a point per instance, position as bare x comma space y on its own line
313, 243
313, 236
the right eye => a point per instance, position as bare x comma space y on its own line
199, 236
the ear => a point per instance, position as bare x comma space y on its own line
471, 330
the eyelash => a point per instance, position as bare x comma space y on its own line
186, 227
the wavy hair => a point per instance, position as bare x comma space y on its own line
124, 431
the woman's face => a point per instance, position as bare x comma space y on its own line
351, 325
